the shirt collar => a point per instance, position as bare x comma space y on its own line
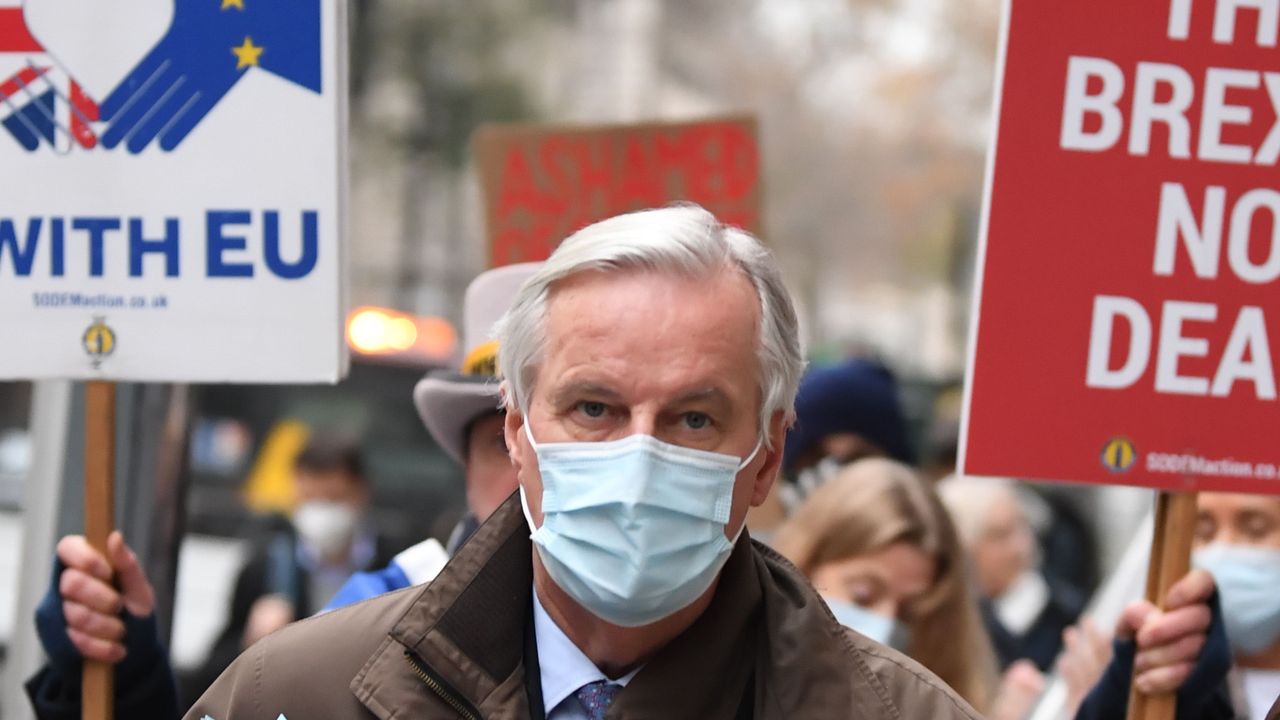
563, 666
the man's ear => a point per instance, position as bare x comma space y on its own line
772, 451
513, 433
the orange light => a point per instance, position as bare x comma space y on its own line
401, 333
374, 330
436, 336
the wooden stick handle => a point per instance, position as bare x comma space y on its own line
1170, 560
97, 689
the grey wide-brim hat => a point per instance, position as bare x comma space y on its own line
448, 401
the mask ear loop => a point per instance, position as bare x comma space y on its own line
752, 456
528, 516
524, 499
743, 464
529, 433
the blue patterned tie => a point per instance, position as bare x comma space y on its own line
596, 697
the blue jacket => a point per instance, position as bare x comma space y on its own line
413, 566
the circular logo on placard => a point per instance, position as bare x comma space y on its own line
1118, 455
99, 340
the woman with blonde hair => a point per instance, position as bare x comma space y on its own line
878, 545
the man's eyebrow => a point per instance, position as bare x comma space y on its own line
577, 390
710, 394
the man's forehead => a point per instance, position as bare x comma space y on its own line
603, 295
587, 384
654, 334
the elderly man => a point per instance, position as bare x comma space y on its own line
651, 367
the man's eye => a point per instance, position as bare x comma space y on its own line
592, 409
696, 420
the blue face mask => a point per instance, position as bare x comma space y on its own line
884, 630
633, 529
1248, 580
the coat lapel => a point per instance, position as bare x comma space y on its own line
467, 626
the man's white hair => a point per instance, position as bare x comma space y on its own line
682, 239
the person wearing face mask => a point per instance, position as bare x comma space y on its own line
461, 411
1025, 609
1217, 640
878, 545
649, 372
300, 566
1238, 542
87, 615
844, 412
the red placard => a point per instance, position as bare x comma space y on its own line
543, 182
1126, 314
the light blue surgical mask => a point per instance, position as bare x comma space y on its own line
633, 529
1248, 579
882, 629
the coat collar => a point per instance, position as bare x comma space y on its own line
468, 625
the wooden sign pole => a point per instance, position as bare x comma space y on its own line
1175, 528
97, 689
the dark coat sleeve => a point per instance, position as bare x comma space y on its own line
144, 684
1204, 695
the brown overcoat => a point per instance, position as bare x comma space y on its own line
766, 648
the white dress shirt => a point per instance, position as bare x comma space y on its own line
564, 668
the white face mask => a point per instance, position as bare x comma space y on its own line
1248, 580
633, 529
884, 630
326, 527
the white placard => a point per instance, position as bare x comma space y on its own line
175, 215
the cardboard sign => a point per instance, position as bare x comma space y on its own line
541, 183
172, 198
1126, 314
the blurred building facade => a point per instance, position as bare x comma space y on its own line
874, 116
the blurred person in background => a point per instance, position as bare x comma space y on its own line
1025, 611
878, 545
844, 412
85, 614
462, 411
300, 565
1220, 651
1238, 542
